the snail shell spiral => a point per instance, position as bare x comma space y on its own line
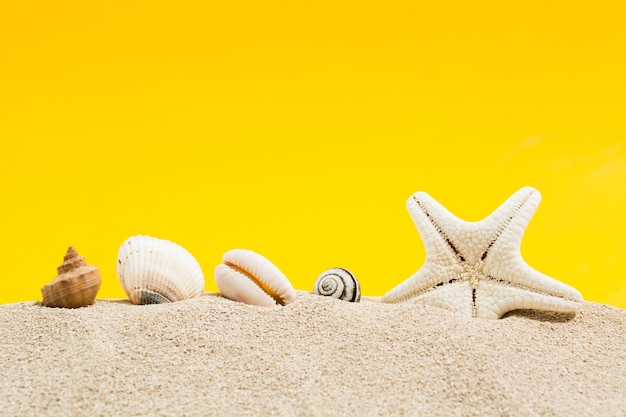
338, 283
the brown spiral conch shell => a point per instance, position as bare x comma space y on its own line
76, 285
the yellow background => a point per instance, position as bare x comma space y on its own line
299, 129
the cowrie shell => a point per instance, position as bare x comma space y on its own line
250, 278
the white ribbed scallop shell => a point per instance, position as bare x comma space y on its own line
338, 283
248, 277
154, 271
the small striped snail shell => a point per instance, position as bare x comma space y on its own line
338, 283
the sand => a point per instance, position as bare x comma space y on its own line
316, 357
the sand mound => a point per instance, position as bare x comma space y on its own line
317, 356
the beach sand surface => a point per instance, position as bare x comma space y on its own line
317, 356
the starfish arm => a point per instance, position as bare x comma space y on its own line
456, 297
441, 263
513, 271
509, 221
432, 220
523, 203
502, 258
424, 280
495, 299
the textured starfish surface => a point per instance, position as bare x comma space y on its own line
475, 268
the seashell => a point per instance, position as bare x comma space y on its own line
338, 283
155, 271
76, 284
248, 277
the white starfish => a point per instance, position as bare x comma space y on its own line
475, 268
